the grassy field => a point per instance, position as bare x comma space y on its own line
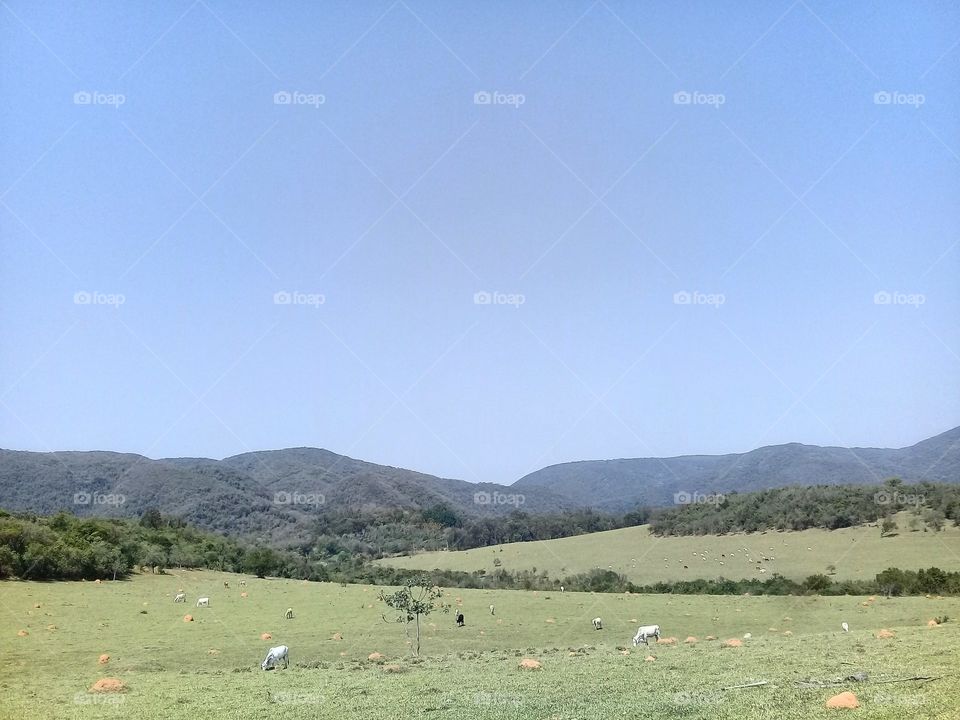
209, 668
857, 553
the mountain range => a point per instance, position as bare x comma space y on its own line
274, 494
623, 484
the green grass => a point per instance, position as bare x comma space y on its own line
858, 554
464, 673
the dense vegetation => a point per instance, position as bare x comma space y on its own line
379, 533
820, 506
70, 548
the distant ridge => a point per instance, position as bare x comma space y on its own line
275, 494
623, 484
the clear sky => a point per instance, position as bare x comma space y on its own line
681, 215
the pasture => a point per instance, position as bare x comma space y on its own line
210, 667
857, 553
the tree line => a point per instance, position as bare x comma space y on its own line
64, 547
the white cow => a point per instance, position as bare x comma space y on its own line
846, 628
597, 624
289, 614
492, 610
275, 656
561, 588
181, 597
243, 583
203, 602
644, 632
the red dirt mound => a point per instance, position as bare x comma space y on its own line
885, 634
188, 618
103, 659
22, 633
733, 643
108, 685
375, 656
667, 641
690, 640
845, 700
529, 664
337, 636
266, 636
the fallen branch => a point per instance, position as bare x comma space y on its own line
835, 683
915, 677
746, 685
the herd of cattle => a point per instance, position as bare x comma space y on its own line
281, 654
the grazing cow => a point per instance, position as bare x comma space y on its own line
181, 597
243, 583
275, 656
460, 622
226, 585
203, 602
644, 632
289, 614
561, 588
846, 628
492, 610
597, 624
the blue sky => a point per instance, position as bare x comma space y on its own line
701, 228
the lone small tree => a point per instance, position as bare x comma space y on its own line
417, 597
887, 526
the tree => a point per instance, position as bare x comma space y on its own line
887, 526
151, 518
817, 583
417, 597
